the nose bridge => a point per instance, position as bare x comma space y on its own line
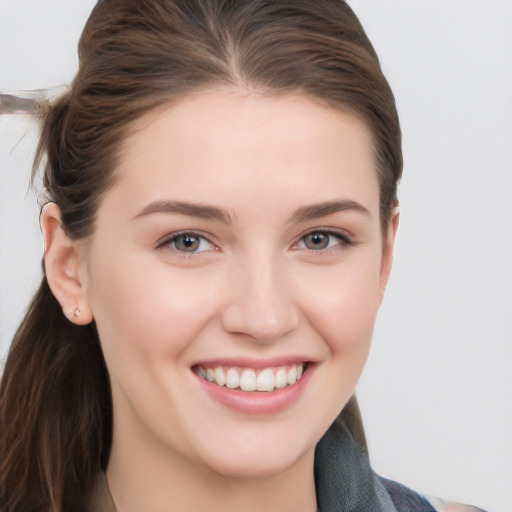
261, 304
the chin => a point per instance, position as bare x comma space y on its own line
259, 456
256, 467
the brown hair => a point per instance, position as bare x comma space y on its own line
136, 56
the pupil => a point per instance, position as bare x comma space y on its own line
187, 243
317, 241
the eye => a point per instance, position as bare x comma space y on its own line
322, 240
187, 242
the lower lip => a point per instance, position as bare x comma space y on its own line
254, 402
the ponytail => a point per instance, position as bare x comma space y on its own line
55, 400
55, 412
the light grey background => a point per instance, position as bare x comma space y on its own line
437, 392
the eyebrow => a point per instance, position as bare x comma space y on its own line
319, 210
202, 211
205, 211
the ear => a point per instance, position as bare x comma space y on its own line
387, 252
64, 267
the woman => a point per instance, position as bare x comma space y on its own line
222, 211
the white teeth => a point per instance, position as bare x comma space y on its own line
281, 380
232, 379
265, 381
248, 380
291, 376
220, 376
268, 379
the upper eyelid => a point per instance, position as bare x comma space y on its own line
341, 233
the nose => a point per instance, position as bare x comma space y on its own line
261, 305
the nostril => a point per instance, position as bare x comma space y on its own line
261, 305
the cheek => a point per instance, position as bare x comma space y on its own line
145, 311
343, 311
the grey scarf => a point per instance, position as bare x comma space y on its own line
343, 476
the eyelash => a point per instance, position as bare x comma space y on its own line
342, 238
170, 241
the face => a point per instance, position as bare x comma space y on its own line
239, 248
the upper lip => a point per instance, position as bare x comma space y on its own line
248, 362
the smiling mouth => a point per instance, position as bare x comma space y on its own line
248, 379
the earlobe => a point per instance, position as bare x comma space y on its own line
63, 267
387, 252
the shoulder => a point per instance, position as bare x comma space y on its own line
451, 506
407, 500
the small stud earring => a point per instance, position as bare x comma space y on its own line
74, 314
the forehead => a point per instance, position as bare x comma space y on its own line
220, 143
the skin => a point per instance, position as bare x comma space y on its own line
254, 289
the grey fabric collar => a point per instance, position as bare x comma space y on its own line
343, 477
